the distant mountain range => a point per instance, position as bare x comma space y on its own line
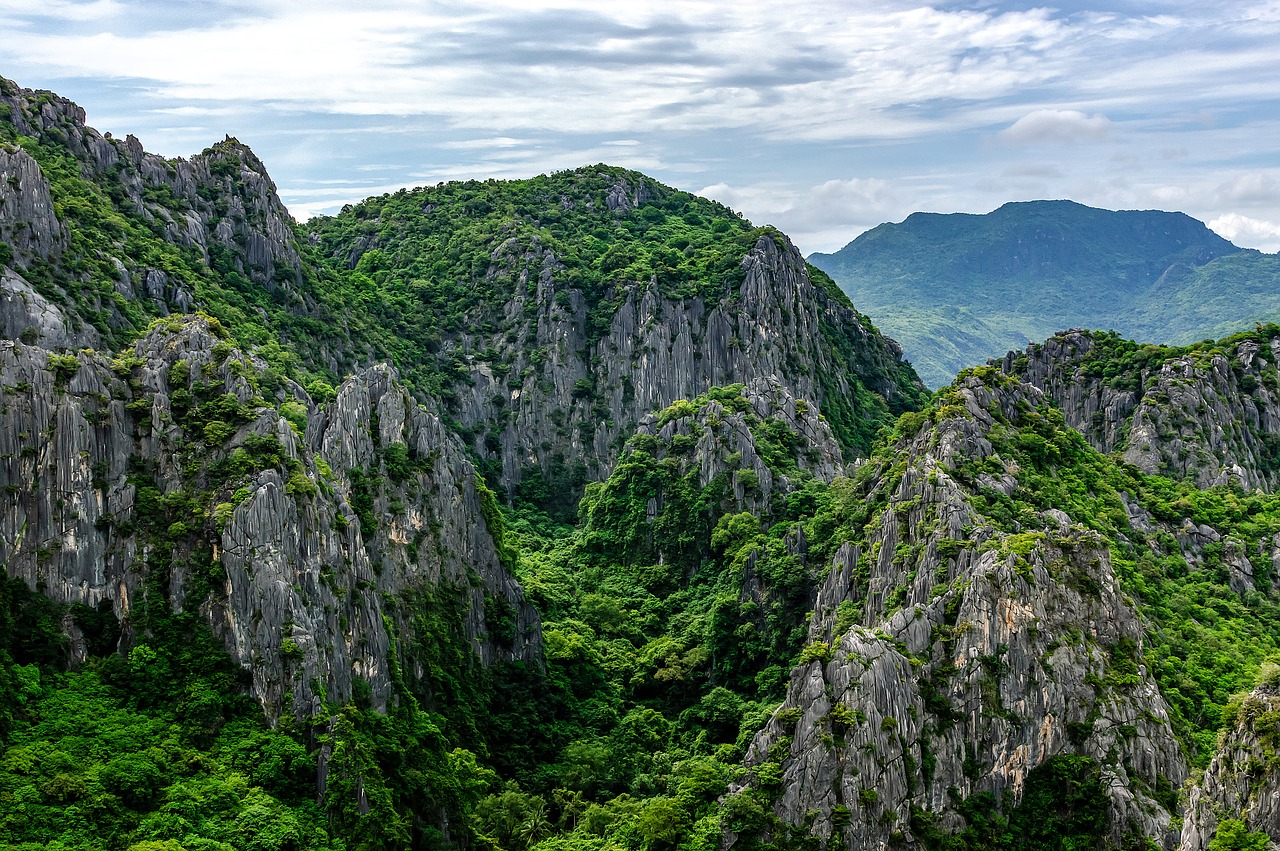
958, 289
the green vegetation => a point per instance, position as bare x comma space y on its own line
657, 674
1122, 364
436, 280
1205, 642
92, 272
1233, 835
675, 596
1064, 806
442, 261
163, 747
1028, 270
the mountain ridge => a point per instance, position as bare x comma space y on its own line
283, 568
959, 288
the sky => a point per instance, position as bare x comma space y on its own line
821, 118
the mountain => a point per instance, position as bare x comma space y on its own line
548, 315
578, 513
597, 294
1013, 619
1208, 412
958, 289
249, 527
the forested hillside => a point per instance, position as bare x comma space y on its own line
578, 513
958, 289
548, 315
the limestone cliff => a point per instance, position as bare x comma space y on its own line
194, 467
753, 439
1207, 413
952, 657
1242, 782
586, 397
556, 342
182, 468
114, 235
219, 199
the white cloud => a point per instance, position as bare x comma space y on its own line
823, 71
763, 106
483, 144
66, 10
1056, 126
1254, 187
195, 111
818, 218
1247, 232
819, 71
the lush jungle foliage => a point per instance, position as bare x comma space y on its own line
672, 616
659, 671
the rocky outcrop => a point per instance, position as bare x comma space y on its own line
180, 469
758, 438
731, 450
27, 220
1243, 781
950, 657
567, 399
220, 203
1211, 415
27, 315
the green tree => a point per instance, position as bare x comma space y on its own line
1234, 835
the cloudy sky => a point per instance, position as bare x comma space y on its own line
823, 118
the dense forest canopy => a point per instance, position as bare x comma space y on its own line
264, 592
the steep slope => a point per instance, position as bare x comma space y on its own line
1239, 795
113, 236
223, 508
1009, 621
959, 289
552, 314
953, 658
1209, 412
243, 607
672, 615
211, 549
679, 295
547, 315
174, 476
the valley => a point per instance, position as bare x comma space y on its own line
577, 512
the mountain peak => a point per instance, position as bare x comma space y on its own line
959, 288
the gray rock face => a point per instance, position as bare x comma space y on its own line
64, 451
220, 202
170, 470
726, 441
1212, 419
567, 400
25, 314
949, 654
1242, 781
27, 220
